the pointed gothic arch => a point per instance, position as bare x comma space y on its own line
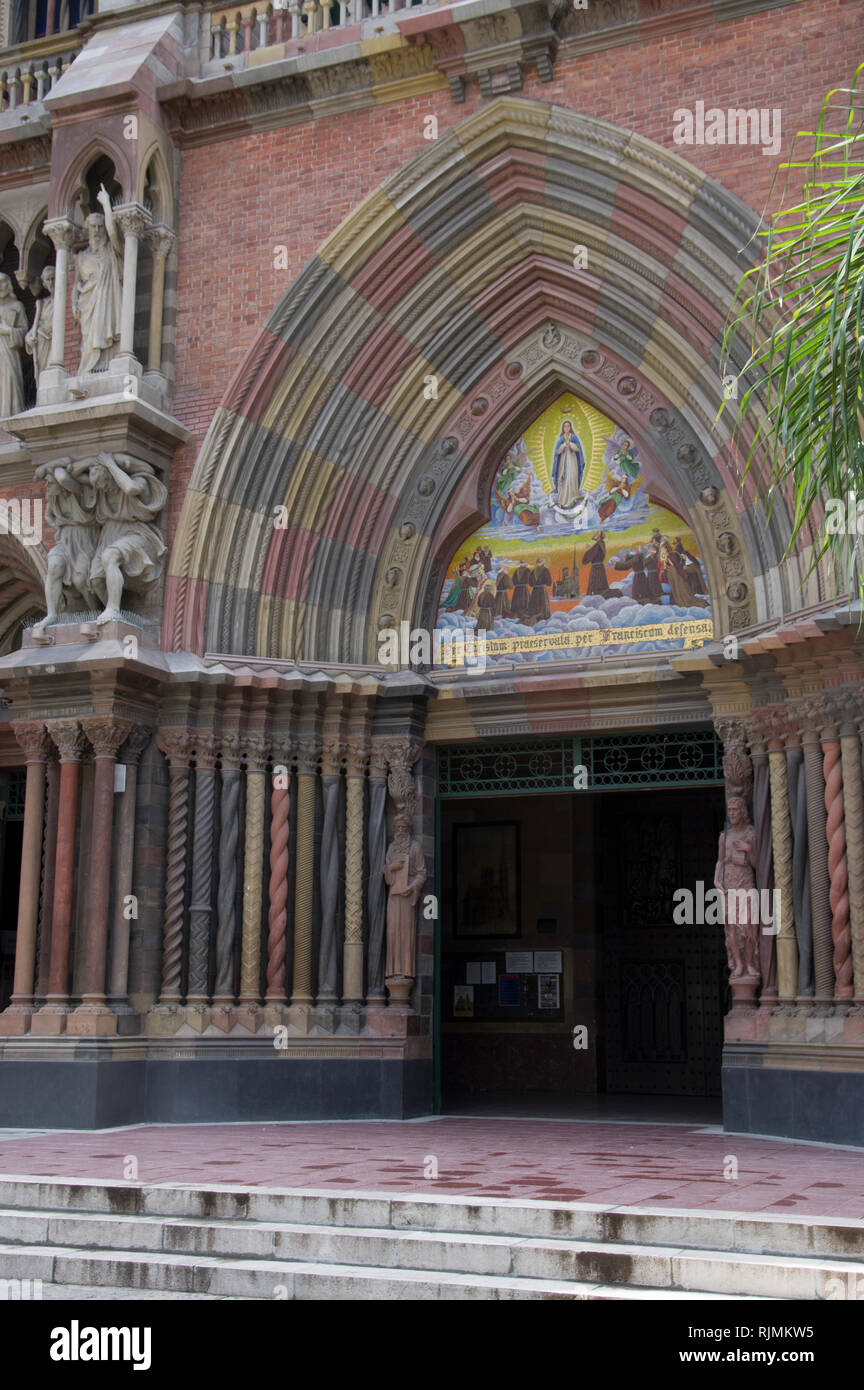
459, 268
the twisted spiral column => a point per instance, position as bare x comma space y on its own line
226, 896
781, 835
201, 906
250, 941
811, 720
835, 830
177, 747
277, 921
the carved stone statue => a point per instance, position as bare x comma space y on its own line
38, 340
13, 327
405, 874
69, 510
129, 552
736, 870
97, 290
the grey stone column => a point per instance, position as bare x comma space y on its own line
128, 757
330, 871
376, 895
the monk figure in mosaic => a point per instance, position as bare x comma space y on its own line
736, 871
130, 548
405, 874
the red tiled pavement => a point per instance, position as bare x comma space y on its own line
620, 1164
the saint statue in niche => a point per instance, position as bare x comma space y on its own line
13, 327
97, 289
405, 874
38, 340
736, 870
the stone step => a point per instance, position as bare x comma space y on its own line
521, 1257
747, 1233
183, 1276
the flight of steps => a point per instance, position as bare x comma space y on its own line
113, 1240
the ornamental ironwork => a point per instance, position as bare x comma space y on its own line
612, 762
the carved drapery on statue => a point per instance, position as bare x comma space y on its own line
103, 511
13, 329
38, 339
97, 290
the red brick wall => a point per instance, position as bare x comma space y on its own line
293, 186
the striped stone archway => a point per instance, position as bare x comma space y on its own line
443, 312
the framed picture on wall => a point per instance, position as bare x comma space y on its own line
486, 879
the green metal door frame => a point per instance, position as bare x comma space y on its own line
534, 767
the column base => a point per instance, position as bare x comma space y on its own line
400, 987
326, 1017
222, 1017
92, 1021
744, 991
15, 1020
249, 1016
163, 1020
301, 1016
197, 1016
50, 1021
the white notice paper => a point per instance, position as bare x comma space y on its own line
473, 973
547, 962
519, 962
489, 971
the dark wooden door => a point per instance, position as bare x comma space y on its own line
663, 986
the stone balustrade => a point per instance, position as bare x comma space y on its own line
236, 32
26, 81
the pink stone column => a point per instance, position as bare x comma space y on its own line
93, 1017
51, 1018
15, 1020
49, 856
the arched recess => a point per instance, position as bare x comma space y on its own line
22, 575
460, 268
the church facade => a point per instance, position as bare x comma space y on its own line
408, 694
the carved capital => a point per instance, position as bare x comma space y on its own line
69, 738
106, 735
332, 755
34, 740
133, 219
176, 744
206, 746
356, 756
254, 752
812, 716
732, 734
231, 751
307, 756
758, 729
63, 233
377, 760
137, 741
848, 708
283, 750
160, 239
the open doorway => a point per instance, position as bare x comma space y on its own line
566, 986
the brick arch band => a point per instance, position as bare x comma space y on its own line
460, 267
